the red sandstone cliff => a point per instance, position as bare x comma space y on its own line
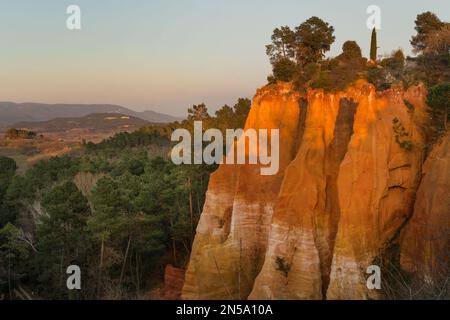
173, 283
345, 190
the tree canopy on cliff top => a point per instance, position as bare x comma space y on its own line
299, 55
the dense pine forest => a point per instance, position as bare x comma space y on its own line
120, 210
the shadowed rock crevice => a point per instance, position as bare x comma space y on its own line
343, 132
303, 105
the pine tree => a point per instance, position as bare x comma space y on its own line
373, 45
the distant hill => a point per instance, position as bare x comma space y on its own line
96, 121
11, 112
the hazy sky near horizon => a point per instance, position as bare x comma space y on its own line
168, 55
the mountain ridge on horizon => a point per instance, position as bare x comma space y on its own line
93, 121
12, 112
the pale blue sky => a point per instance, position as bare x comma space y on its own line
168, 55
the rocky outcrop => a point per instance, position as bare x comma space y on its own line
231, 238
350, 168
425, 242
305, 219
377, 183
173, 283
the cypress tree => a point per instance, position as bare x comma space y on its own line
373, 45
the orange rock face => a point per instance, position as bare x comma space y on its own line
377, 182
173, 283
349, 171
231, 238
425, 243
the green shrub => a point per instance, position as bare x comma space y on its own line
439, 100
408, 104
401, 135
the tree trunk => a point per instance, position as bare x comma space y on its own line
191, 210
174, 252
61, 270
445, 119
125, 260
100, 269
174, 248
199, 210
102, 249
9, 274
138, 282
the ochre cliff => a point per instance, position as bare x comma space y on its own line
377, 183
425, 245
231, 238
350, 166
